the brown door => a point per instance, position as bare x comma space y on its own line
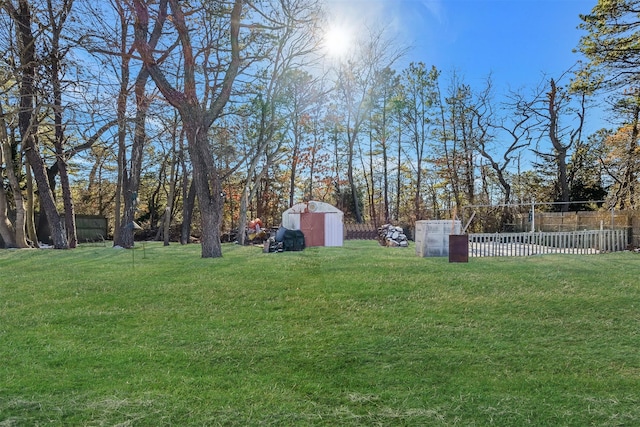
312, 226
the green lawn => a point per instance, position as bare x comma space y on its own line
358, 335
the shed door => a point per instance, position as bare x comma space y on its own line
333, 229
312, 225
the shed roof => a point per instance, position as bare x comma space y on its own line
312, 206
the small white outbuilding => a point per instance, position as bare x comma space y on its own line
321, 223
432, 237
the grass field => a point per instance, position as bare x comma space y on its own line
358, 335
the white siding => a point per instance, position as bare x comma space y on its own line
333, 229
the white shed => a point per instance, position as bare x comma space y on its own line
321, 223
432, 236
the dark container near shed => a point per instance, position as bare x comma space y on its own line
292, 240
458, 248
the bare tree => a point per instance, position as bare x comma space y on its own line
355, 79
398, 110
174, 156
561, 117
279, 85
13, 234
57, 15
234, 50
446, 152
196, 118
27, 115
302, 94
420, 95
389, 90
514, 128
130, 172
456, 141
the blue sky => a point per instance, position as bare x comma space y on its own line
518, 41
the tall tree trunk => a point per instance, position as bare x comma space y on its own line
131, 178
67, 199
195, 118
385, 177
30, 206
352, 182
208, 188
372, 189
242, 216
560, 149
173, 178
188, 204
57, 18
117, 211
7, 231
19, 229
26, 41
399, 165
312, 163
294, 161
121, 114
563, 182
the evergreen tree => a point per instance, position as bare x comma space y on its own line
612, 42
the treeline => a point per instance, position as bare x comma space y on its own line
193, 117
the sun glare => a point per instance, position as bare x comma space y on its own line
337, 42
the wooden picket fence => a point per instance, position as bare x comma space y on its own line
537, 243
360, 232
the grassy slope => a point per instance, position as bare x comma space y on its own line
359, 335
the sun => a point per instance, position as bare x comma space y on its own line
337, 42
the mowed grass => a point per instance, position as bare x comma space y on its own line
358, 335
